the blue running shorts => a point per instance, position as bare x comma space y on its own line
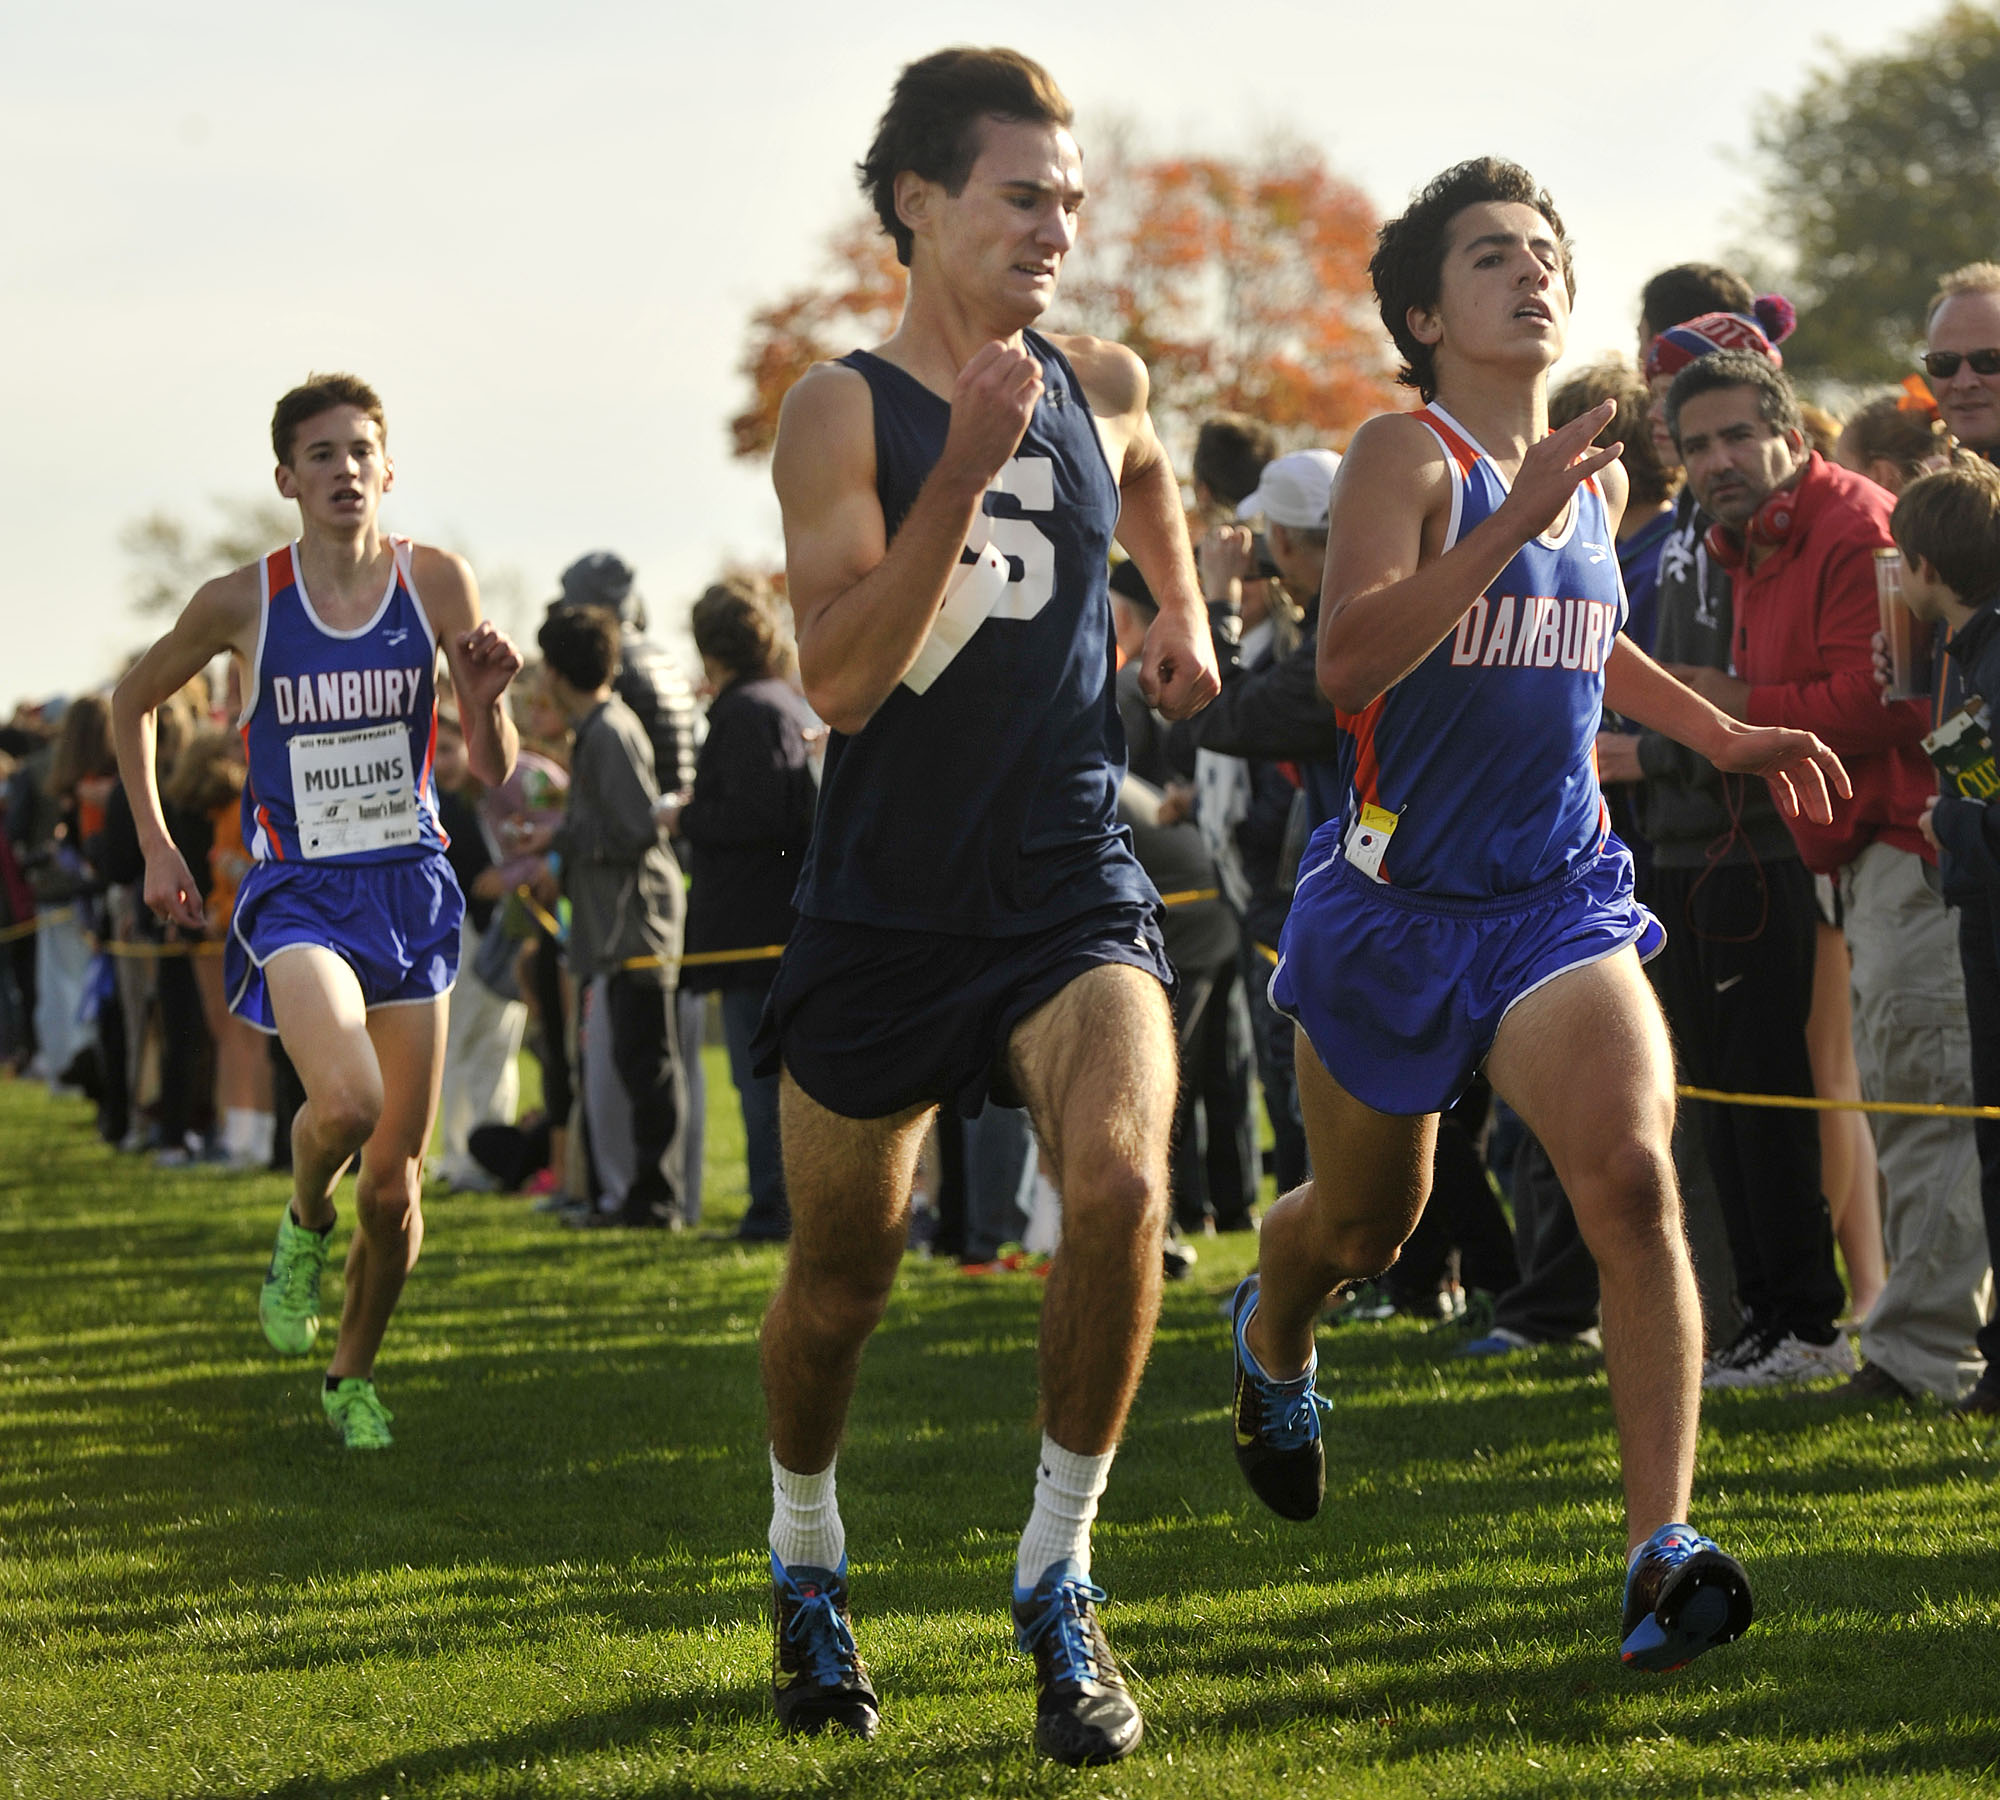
872, 1021
1402, 994
395, 924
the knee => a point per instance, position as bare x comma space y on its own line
839, 1301
348, 1112
1629, 1188
1362, 1248
386, 1200
1113, 1200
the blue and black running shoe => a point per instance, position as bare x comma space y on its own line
1682, 1596
1084, 1713
817, 1676
1277, 1425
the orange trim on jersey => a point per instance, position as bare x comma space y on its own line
1361, 727
1462, 453
278, 571
263, 818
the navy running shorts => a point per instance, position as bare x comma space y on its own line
1402, 994
872, 1021
395, 924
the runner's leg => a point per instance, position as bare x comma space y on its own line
849, 1185
389, 1223
1372, 1173
1096, 1066
1586, 1063
323, 1022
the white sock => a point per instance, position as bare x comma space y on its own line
805, 1518
263, 1136
239, 1127
1067, 1490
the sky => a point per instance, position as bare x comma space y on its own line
541, 231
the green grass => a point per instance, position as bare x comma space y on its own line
554, 1584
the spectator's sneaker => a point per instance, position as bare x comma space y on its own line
1981, 1402
817, 1677
1782, 1360
288, 1305
1746, 1346
1682, 1596
1277, 1425
1365, 1303
1498, 1342
354, 1410
1872, 1384
1084, 1713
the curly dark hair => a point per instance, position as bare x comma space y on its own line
932, 125
1408, 265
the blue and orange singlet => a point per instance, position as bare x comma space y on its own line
1474, 775
340, 727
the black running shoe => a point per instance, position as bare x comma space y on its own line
1084, 1713
1683, 1595
1277, 1426
817, 1676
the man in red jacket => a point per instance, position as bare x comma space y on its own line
1800, 536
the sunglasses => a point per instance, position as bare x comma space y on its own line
1942, 365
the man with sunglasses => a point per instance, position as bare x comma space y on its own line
1962, 358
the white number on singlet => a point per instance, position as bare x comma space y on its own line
988, 588
1032, 481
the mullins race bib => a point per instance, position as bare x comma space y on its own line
354, 790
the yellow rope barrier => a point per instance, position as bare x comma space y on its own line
1909, 1109
1190, 896
11, 934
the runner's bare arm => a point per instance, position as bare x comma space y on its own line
1177, 670
221, 616
483, 659
1384, 608
862, 605
1800, 769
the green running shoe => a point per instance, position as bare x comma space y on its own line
288, 1307
354, 1410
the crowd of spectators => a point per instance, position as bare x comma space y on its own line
642, 856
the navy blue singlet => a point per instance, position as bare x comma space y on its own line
982, 796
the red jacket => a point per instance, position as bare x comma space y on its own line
1805, 620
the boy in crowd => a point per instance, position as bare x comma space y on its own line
1947, 526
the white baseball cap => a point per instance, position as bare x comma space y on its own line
1293, 490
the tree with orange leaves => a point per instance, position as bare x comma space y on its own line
1243, 285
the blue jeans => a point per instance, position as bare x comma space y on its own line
769, 1215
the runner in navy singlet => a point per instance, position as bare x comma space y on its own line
1471, 906
972, 920
344, 939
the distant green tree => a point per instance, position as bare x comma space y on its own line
171, 558
1880, 176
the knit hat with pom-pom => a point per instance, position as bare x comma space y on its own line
1760, 331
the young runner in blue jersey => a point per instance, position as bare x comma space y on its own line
972, 919
1470, 906
345, 936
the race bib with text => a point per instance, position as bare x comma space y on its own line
354, 791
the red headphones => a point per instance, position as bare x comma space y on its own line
1770, 525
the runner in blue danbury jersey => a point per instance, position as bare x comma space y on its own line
344, 940
1470, 905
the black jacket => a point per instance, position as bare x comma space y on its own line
1687, 807
747, 828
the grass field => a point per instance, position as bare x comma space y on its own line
554, 1583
